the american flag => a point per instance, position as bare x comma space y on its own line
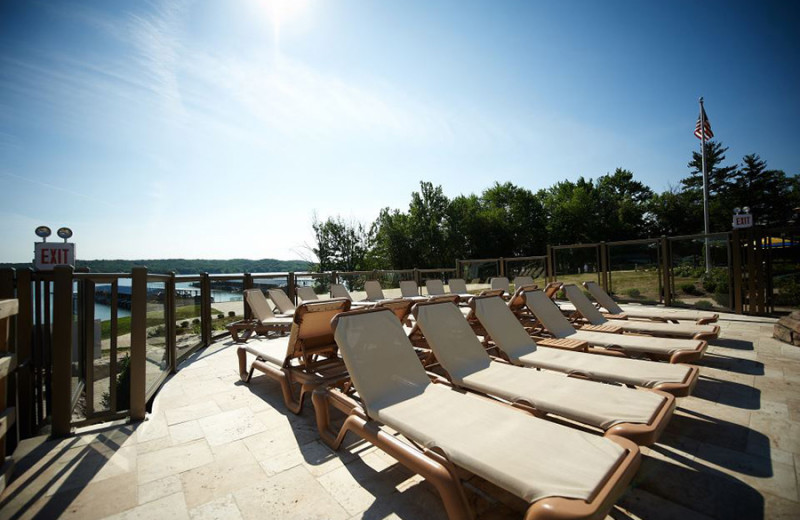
706, 128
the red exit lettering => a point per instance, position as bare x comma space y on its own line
53, 256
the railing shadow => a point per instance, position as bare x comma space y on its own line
732, 364
736, 344
71, 467
693, 486
727, 392
725, 444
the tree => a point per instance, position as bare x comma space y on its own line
622, 206
340, 245
768, 193
721, 182
674, 212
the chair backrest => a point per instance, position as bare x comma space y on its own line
340, 291
457, 348
457, 286
552, 288
503, 327
379, 358
311, 328
400, 307
374, 291
583, 304
603, 298
435, 287
279, 298
409, 289
492, 292
517, 300
500, 282
306, 293
519, 281
258, 304
548, 314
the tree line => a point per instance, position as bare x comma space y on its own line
507, 220
185, 266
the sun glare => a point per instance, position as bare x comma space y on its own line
281, 12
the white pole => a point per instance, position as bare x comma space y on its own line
705, 183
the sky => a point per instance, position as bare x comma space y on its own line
219, 129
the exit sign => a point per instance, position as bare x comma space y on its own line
47, 255
742, 220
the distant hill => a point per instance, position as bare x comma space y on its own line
184, 266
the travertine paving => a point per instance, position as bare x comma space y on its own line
214, 447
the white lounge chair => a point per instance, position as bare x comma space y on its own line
676, 330
281, 301
671, 349
651, 313
561, 472
510, 337
638, 415
306, 294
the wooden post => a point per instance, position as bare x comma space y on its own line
170, 331
25, 411
247, 283
61, 414
291, 281
666, 270
137, 365
205, 309
551, 272
502, 263
8, 308
736, 261
87, 339
602, 250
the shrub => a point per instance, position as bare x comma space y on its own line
788, 291
633, 292
232, 314
703, 304
196, 321
220, 316
690, 288
561, 295
184, 324
123, 386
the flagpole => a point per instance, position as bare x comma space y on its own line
705, 183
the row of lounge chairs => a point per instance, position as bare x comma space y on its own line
479, 414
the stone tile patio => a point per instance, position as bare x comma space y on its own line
214, 447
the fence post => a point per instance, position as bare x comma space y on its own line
502, 263
736, 261
205, 309
137, 365
291, 281
550, 275
171, 333
603, 250
24, 337
247, 283
666, 262
62, 351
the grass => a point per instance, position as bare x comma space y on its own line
154, 318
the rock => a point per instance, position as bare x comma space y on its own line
782, 333
790, 323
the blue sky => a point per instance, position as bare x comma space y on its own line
209, 129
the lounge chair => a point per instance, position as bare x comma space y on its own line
651, 313
667, 349
306, 294
410, 290
340, 291
374, 291
459, 287
519, 281
517, 301
263, 322
561, 472
401, 307
638, 415
516, 345
435, 287
308, 356
589, 312
281, 301
501, 282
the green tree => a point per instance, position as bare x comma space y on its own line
721, 185
340, 245
768, 193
